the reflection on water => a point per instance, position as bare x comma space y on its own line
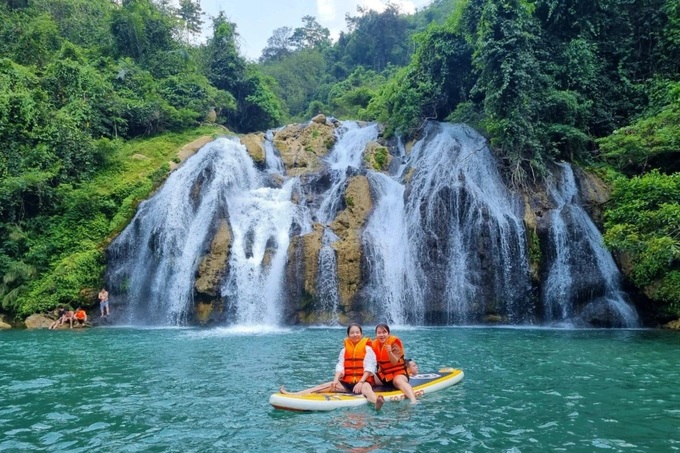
207, 390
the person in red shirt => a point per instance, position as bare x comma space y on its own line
81, 316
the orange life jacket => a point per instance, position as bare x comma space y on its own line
386, 369
354, 361
80, 314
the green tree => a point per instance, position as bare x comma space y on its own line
376, 40
279, 45
257, 105
299, 77
311, 35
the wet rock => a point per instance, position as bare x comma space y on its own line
377, 157
594, 193
348, 226
674, 325
214, 265
254, 144
302, 146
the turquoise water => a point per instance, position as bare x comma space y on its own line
133, 390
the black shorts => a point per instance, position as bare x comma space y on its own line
389, 384
349, 388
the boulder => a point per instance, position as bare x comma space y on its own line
190, 149
38, 321
302, 146
674, 325
254, 144
319, 119
4, 322
211, 116
377, 157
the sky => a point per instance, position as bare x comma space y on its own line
256, 19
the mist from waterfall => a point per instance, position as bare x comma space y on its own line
571, 226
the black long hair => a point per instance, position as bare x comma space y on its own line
384, 326
355, 324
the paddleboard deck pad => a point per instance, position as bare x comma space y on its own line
422, 384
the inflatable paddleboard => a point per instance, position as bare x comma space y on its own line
421, 383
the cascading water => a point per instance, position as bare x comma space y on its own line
467, 230
327, 278
345, 155
154, 261
444, 242
260, 220
581, 269
272, 160
394, 290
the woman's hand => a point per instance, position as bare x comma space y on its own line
357, 388
394, 349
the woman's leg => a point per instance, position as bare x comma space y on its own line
401, 382
367, 391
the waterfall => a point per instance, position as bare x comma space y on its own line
467, 230
394, 282
444, 243
272, 159
327, 278
345, 156
581, 269
260, 220
154, 261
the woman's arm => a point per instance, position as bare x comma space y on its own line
395, 351
339, 370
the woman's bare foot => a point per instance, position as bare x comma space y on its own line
379, 402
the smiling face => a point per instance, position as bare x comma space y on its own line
354, 334
382, 334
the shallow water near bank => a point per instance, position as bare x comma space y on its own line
132, 390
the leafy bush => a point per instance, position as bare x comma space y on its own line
643, 222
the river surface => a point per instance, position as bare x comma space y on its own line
193, 390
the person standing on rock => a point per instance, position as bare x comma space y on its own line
104, 302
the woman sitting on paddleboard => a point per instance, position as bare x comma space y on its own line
356, 365
392, 371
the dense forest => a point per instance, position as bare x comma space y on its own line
97, 95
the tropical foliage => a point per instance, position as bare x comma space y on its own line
78, 79
83, 82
